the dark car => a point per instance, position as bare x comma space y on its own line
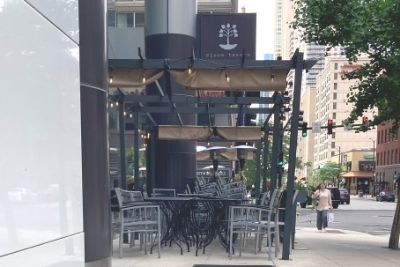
385, 196
344, 196
335, 195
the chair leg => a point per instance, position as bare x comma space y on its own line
145, 243
269, 243
121, 237
230, 242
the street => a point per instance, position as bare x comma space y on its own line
362, 215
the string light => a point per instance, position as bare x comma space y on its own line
143, 78
124, 113
117, 104
189, 70
130, 115
112, 105
111, 78
227, 77
272, 77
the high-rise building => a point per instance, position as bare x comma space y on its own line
331, 103
305, 144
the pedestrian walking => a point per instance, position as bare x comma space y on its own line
323, 205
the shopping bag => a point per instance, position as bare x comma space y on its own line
331, 217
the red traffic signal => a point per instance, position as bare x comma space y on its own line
365, 120
330, 126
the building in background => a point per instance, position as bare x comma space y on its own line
357, 170
387, 157
305, 145
331, 103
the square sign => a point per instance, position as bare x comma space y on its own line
316, 127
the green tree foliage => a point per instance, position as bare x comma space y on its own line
370, 27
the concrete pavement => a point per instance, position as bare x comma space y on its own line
334, 248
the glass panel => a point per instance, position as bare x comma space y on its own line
124, 20
139, 19
111, 18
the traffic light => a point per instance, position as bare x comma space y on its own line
301, 116
250, 120
365, 120
304, 129
330, 126
280, 159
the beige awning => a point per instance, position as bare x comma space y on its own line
133, 78
205, 79
231, 80
172, 132
202, 133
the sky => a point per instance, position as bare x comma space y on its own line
265, 24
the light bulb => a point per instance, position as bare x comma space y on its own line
111, 105
144, 79
124, 113
272, 77
228, 79
189, 70
117, 104
130, 115
111, 79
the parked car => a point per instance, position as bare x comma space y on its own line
385, 196
344, 196
335, 195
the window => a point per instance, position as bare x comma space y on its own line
335, 86
392, 157
335, 76
384, 158
336, 66
125, 20
334, 96
379, 137
334, 116
332, 153
333, 135
385, 135
139, 19
334, 105
377, 159
111, 18
333, 144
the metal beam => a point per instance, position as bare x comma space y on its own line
121, 119
275, 146
182, 64
290, 209
186, 99
201, 110
136, 152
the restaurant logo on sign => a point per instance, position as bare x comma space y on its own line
227, 36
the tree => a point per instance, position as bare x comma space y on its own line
328, 173
368, 27
372, 28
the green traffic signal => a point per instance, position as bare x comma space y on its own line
304, 129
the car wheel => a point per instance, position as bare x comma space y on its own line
348, 202
335, 205
303, 205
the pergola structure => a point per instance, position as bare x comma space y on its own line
225, 75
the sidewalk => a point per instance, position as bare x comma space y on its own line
334, 248
340, 248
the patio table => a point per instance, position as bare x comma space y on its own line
195, 221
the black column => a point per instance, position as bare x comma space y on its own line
95, 179
170, 35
